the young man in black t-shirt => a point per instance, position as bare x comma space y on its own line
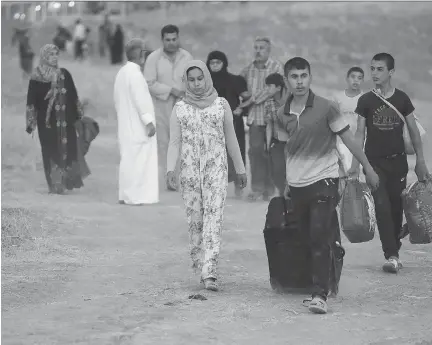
385, 151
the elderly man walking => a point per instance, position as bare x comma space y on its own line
138, 175
163, 71
255, 75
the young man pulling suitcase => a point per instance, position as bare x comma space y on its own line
312, 173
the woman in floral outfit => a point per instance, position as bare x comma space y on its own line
201, 128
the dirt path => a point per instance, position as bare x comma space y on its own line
119, 275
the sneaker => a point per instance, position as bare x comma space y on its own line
318, 305
399, 263
392, 265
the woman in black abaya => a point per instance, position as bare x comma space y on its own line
53, 108
117, 45
231, 87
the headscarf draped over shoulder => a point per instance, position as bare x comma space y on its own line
209, 95
46, 72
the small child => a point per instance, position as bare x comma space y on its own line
276, 137
275, 87
347, 102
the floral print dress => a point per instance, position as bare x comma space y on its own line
203, 180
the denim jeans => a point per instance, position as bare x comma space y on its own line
392, 172
315, 206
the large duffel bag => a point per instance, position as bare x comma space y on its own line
357, 212
289, 254
417, 204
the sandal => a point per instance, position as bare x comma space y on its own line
253, 197
210, 284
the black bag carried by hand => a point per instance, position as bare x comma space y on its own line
417, 204
357, 212
289, 253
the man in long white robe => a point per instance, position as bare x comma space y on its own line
163, 71
138, 172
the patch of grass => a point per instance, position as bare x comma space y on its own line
30, 236
20, 151
16, 225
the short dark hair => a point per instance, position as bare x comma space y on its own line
387, 58
169, 29
296, 63
355, 69
275, 79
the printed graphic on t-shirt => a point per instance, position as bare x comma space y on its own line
385, 118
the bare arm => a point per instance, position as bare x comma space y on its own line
246, 103
420, 169
174, 143
359, 138
245, 95
231, 141
356, 149
415, 136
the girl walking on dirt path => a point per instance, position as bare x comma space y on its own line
53, 107
201, 131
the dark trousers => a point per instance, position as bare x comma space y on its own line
259, 161
315, 206
277, 164
392, 172
79, 52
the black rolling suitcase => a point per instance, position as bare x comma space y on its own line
289, 254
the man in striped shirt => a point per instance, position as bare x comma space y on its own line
255, 75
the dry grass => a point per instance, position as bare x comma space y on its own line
31, 236
16, 224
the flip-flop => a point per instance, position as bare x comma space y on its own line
210, 284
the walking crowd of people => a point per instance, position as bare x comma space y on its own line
185, 116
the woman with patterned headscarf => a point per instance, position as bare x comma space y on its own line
231, 87
53, 107
201, 130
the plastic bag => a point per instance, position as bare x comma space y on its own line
357, 212
417, 204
